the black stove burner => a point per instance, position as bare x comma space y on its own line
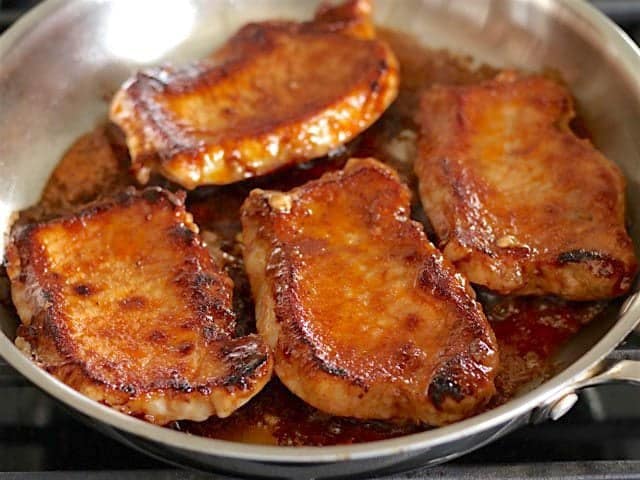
11, 10
598, 439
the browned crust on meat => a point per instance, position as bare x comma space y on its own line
122, 302
276, 93
312, 294
352, 17
520, 204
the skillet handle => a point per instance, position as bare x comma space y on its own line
619, 366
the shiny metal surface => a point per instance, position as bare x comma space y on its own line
61, 62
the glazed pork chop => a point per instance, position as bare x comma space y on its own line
122, 302
365, 316
275, 94
520, 204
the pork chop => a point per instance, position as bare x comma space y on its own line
520, 204
365, 316
275, 94
122, 302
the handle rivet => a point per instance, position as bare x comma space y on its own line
562, 406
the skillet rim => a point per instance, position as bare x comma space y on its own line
628, 60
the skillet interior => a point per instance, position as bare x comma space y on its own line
55, 81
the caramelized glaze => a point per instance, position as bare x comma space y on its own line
275, 416
520, 204
122, 302
365, 317
277, 93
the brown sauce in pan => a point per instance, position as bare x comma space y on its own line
529, 330
277, 417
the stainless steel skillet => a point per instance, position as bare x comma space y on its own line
59, 63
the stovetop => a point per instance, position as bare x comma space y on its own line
598, 439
